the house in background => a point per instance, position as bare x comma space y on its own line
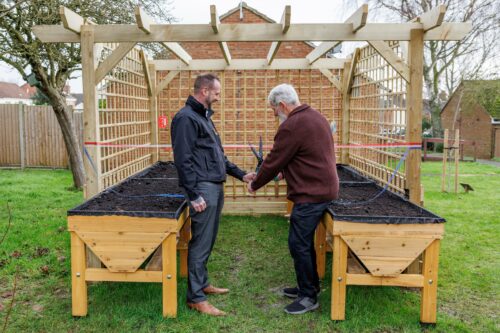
474, 109
11, 93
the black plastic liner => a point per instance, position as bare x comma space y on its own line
350, 177
359, 211
122, 198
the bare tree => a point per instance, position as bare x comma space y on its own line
52, 65
448, 62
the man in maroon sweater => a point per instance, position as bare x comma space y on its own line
303, 151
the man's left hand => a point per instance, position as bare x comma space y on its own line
249, 177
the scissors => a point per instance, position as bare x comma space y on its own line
260, 156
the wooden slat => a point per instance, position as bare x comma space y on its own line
407, 247
71, 20
169, 277
403, 280
164, 83
102, 274
350, 76
357, 19
329, 75
78, 284
392, 58
153, 109
432, 230
428, 304
120, 224
147, 75
247, 64
112, 60
144, 21
259, 32
179, 52
339, 277
215, 22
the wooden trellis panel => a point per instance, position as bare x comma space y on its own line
124, 118
243, 115
378, 116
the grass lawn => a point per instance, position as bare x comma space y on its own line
251, 258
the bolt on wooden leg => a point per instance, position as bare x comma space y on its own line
169, 276
78, 284
185, 235
339, 274
428, 303
320, 245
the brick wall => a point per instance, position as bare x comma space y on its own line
474, 124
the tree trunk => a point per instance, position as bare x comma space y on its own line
64, 116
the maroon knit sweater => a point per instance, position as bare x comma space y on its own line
303, 149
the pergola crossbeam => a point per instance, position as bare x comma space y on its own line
71, 20
247, 64
432, 18
112, 60
392, 58
145, 24
259, 32
215, 22
285, 21
357, 19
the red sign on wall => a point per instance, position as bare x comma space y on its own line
162, 122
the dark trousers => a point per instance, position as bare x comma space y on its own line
204, 228
303, 222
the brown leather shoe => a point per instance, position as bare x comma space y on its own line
211, 290
206, 308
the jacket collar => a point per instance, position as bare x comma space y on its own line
298, 109
198, 107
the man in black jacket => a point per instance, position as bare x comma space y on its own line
202, 168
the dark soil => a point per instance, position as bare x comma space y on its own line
159, 170
139, 194
347, 174
353, 202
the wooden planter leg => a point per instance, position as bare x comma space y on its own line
169, 276
78, 284
320, 245
184, 238
339, 274
428, 303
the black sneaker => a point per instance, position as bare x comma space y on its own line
294, 292
302, 305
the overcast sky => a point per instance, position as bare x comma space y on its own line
198, 11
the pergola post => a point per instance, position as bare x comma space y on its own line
90, 113
344, 157
414, 112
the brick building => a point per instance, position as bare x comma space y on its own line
475, 107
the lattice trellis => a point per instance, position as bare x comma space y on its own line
124, 118
243, 114
378, 116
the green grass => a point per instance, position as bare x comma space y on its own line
251, 258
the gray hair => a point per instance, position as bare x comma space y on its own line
283, 93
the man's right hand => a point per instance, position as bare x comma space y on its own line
199, 204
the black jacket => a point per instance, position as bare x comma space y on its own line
198, 152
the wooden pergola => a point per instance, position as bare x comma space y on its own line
383, 39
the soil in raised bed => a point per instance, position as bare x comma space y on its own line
137, 195
160, 170
347, 175
387, 204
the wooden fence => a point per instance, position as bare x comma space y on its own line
30, 136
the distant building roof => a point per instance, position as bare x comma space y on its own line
484, 92
12, 90
79, 97
256, 12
